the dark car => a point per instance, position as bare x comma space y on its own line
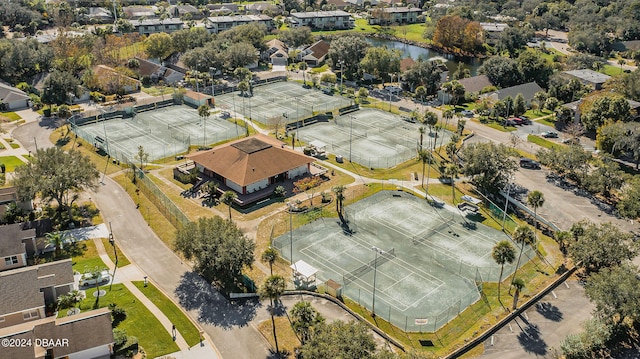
508, 122
525, 120
549, 134
516, 120
529, 163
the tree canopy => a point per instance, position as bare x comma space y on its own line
217, 247
57, 176
339, 340
350, 49
489, 165
600, 246
615, 292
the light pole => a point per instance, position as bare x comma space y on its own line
391, 75
375, 272
341, 62
115, 253
506, 204
198, 82
213, 73
350, 135
290, 207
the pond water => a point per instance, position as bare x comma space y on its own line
415, 52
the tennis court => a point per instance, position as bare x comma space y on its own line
372, 138
275, 100
427, 266
162, 132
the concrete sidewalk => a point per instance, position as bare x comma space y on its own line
166, 323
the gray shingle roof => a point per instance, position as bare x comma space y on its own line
590, 76
9, 93
11, 236
527, 90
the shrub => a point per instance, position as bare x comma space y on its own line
118, 314
119, 337
63, 111
96, 96
326, 197
280, 192
146, 81
133, 63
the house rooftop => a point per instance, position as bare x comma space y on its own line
590, 76
238, 18
251, 159
475, 83
9, 93
402, 9
527, 90
493, 26
11, 236
315, 14
83, 331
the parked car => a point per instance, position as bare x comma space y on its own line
94, 278
467, 113
508, 122
525, 120
516, 120
571, 141
529, 163
549, 134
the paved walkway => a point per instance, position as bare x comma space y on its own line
166, 323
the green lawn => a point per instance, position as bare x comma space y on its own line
495, 125
14, 145
10, 115
541, 141
122, 260
186, 328
140, 322
155, 91
611, 70
411, 32
87, 259
549, 121
533, 114
317, 70
11, 162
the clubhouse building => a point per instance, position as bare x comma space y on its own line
253, 166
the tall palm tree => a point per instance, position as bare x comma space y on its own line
270, 255
339, 192
55, 238
430, 119
303, 66
204, 112
425, 157
503, 252
621, 62
518, 284
421, 130
273, 288
451, 171
523, 235
535, 199
227, 198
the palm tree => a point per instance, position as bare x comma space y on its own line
424, 156
621, 62
204, 111
227, 198
273, 288
270, 255
339, 192
303, 318
430, 119
303, 66
518, 284
56, 239
421, 130
562, 238
524, 236
503, 252
535, 199
451, 171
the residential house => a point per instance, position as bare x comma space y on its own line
362, 3
252, 165
154, 26
9, 195
394, 15
136, 12
222, 9
527, 90
111, 81
87, 335
12, 99
263, 7
158, 72
492, 31
323, 20
14, 240
475, 84
218, 24
315, 54
277, 53
97, 15
338, 4
185, 11
634, 107
27, 291
589, 77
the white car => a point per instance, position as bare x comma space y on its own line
94, 278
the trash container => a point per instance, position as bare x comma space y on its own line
339, 159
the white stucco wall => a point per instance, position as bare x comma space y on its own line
300, 170
234, 186
256, 186
97, 352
